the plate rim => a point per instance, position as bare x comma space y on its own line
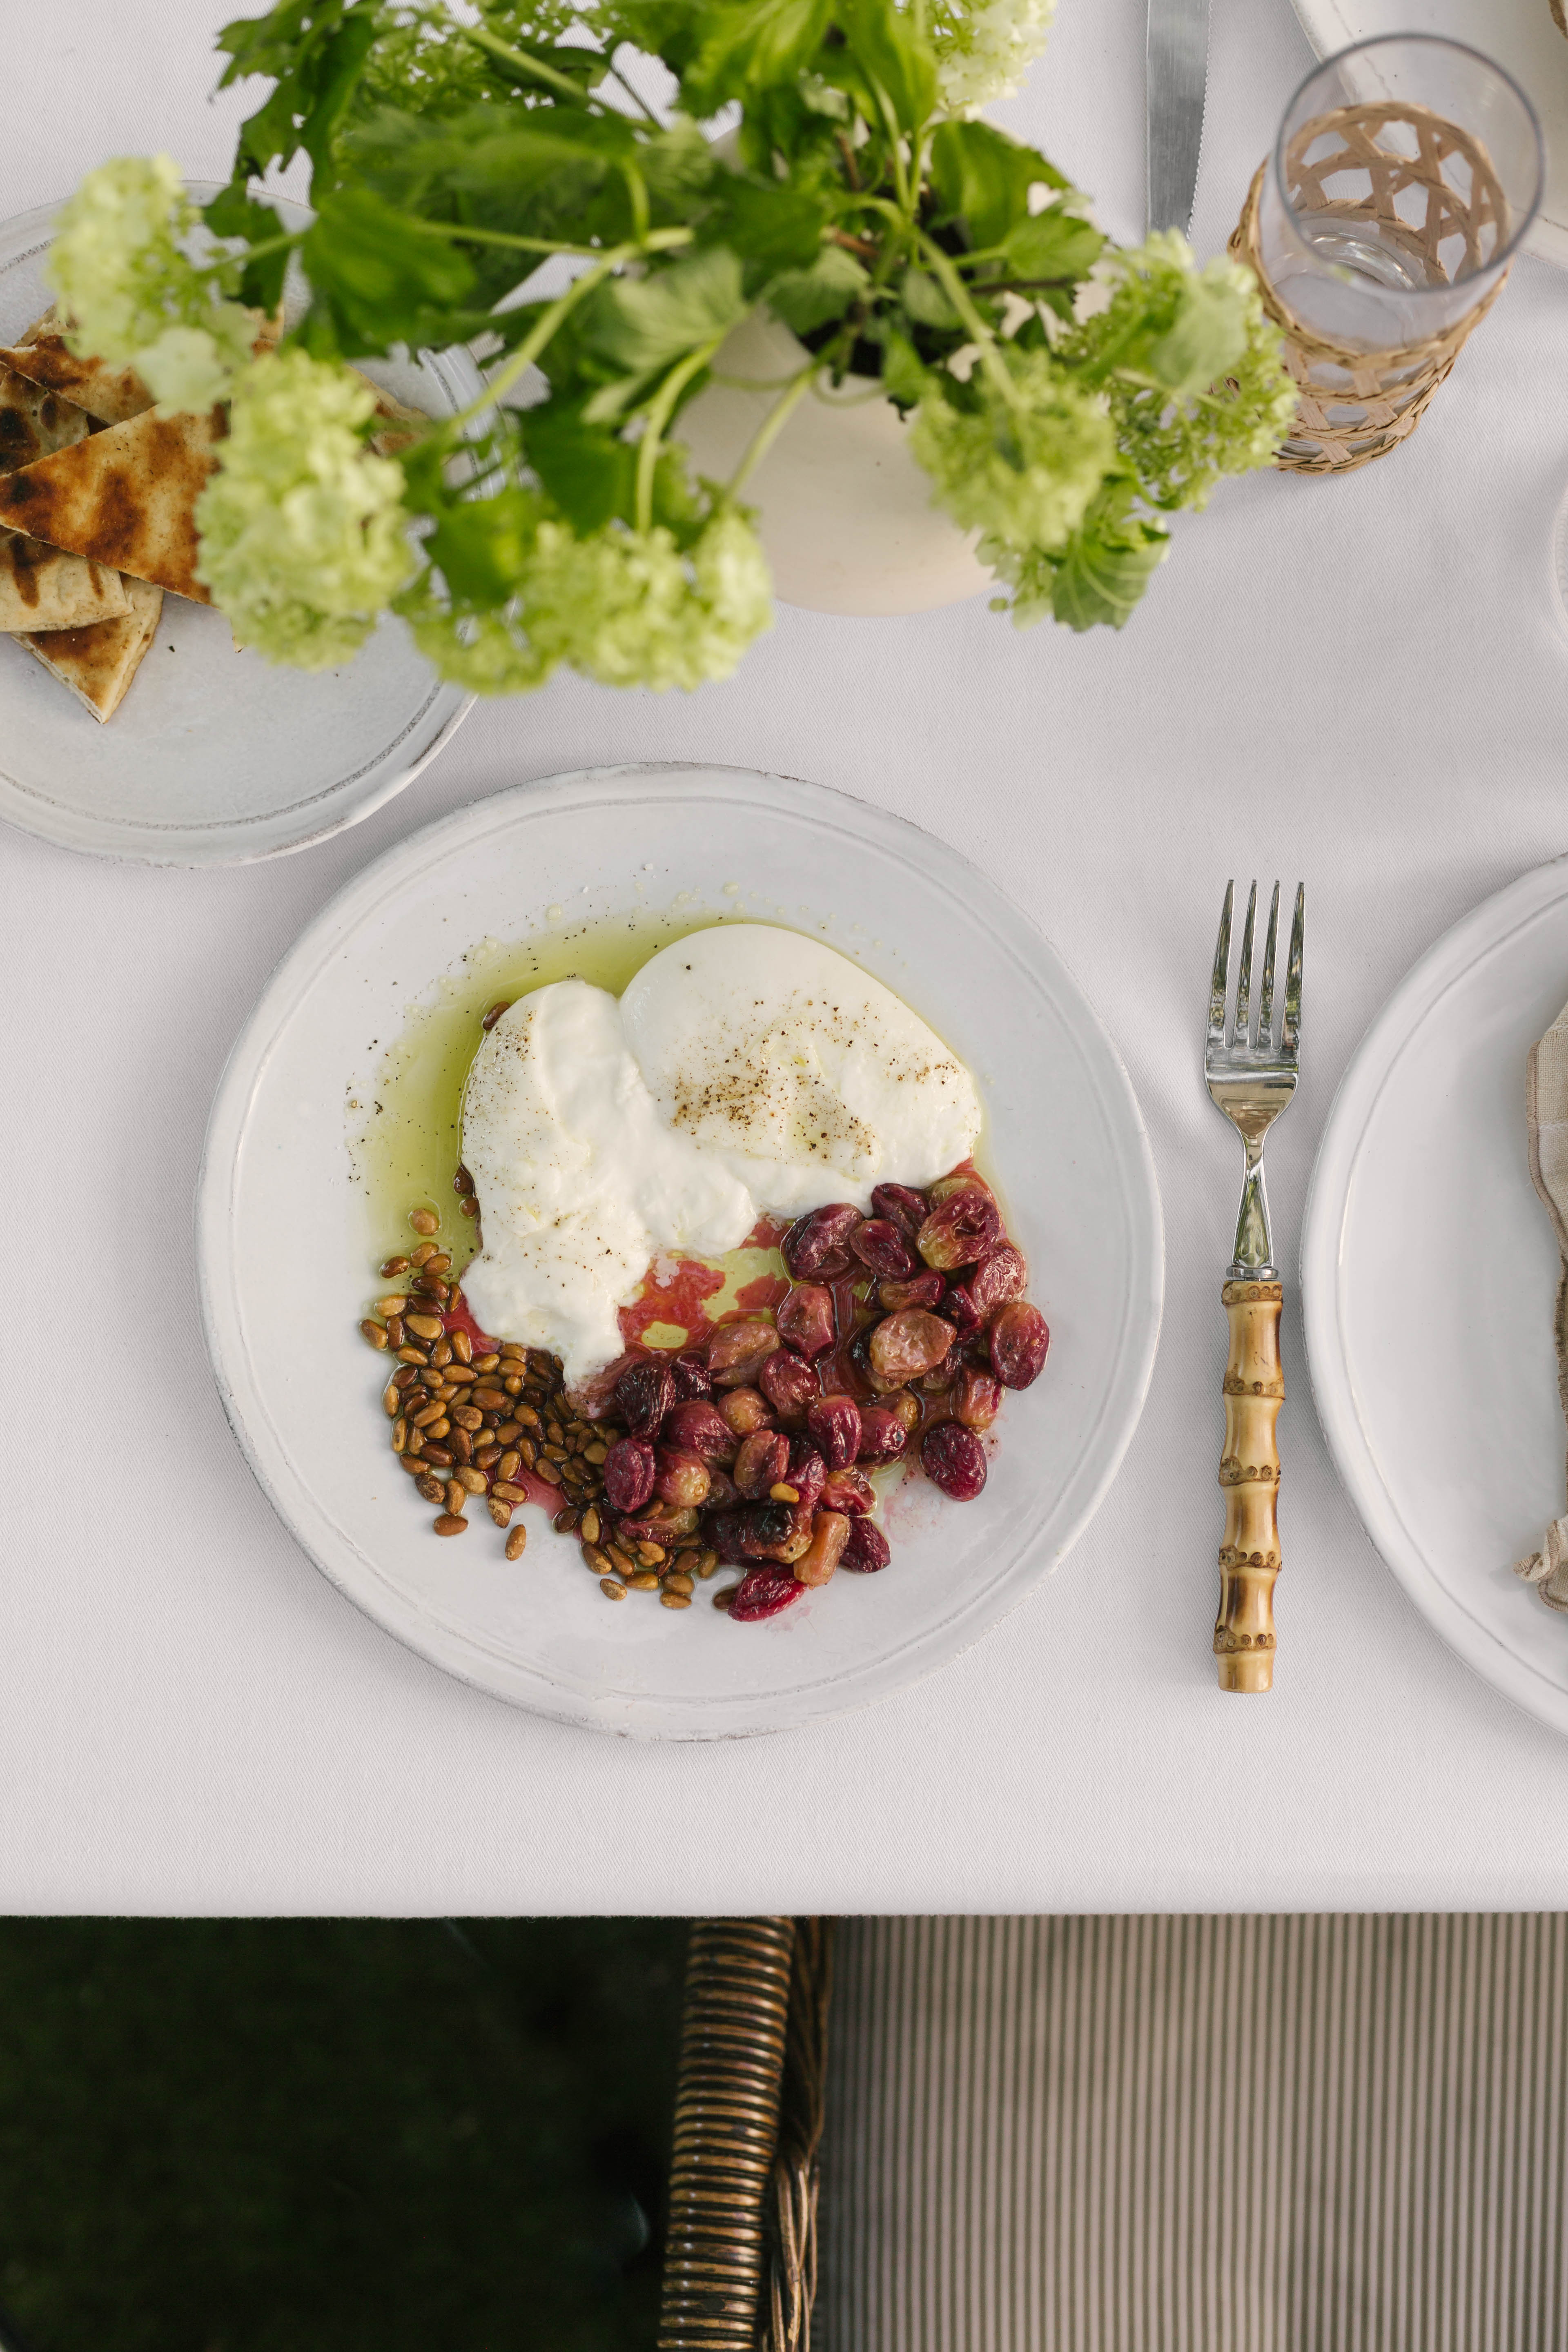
1137, 1346
219, 842
1442, 967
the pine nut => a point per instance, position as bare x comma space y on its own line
392, 1401
430, 1486
725, 1594
399, 1434
423, 1326
499, 1512
439, 1455
508, 1466
462, 1348
448, 1524
423, 1254
425, 1221
456, 1498
473, 1481
674, 1600
506, 1492
392, 1304
678, 1584
374, 1332
611, 1590
515, 1542
591, 1526
395, 1266
645, 1579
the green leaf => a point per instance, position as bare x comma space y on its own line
886, 44
770, 222
1108, 563
1052, 245
236, 213
905, 379
808, 298
385, 276
589, 474
749, 48
481, 546
1207, 336
315, 52
647, 322
982, 178
925, 300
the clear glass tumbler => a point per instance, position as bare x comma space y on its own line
1407, 172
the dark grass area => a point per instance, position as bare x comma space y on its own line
334, 2136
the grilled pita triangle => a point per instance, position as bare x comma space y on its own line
99, 663
124, 497
33, 422
109, 395
41, 587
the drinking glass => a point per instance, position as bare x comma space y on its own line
1407, 172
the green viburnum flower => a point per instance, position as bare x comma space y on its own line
627, 607
485, 652
1021, 470
983, 51
1191, 366
303, 534
134, 297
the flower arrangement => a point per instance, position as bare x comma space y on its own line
494, 173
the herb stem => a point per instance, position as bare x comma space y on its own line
958, 294
659, 412
637, 99
562, 84
544, 325
768, 431
252, 252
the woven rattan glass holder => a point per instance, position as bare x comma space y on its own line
1381, 232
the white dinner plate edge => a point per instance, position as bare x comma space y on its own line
221, 1320
1350, 1450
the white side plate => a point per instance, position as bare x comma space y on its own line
1063, 1132
1429, 1272
1518, 35
216, 757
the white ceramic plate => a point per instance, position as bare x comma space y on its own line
1063, 1132
1428, 1272
1518, 35
216, 757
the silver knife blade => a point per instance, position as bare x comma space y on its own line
1177, 71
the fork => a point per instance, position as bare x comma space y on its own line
1251, 1080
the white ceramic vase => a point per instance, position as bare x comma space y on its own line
846, 513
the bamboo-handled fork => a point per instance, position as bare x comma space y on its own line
1251, 1079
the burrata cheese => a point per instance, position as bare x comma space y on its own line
745, 1069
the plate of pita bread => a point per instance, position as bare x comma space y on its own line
130, 723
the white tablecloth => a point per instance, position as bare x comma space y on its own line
1364, 682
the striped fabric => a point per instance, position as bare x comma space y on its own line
1197, 2135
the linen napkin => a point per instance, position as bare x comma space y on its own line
1546, 1116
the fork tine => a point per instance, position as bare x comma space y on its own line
1265, 1005
1242, 1025
1220, 983
1290, 1033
